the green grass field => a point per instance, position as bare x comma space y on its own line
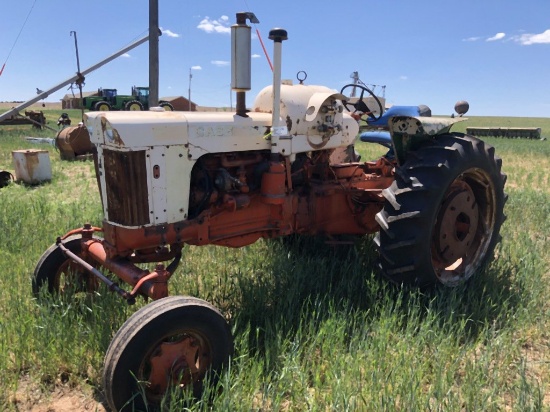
315, 328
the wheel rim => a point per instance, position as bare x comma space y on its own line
71, 279
134, 107
462, 232
103, 107
178, 360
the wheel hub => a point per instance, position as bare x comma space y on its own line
181, 362
456, 225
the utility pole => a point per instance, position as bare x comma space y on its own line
153, 53
355, 77
189, 96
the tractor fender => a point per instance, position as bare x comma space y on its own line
409, 133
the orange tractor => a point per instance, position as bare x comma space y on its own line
287, 166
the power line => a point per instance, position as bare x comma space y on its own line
17, 38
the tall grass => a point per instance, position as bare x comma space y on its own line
315, 327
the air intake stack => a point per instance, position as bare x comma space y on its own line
278, 36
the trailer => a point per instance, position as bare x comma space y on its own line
506, 132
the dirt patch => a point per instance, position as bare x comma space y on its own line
30, 398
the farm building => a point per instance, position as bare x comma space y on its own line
71, 101
180, 103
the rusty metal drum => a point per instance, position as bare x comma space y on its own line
73, 142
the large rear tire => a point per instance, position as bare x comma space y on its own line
133, 106
102, 106
171, 343
443, 213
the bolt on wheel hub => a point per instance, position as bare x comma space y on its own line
177, 363
456, 224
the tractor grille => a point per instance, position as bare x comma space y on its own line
126, 187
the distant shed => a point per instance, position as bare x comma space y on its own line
70, 101
180, 103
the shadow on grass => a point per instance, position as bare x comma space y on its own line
310, 281
305, 281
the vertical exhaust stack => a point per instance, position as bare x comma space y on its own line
241, 59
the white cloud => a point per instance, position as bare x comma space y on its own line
126, 55
169, 33
471, 39
196, 68
256, 56
529, 39
209, 25
498, 36
403, 77
220, 63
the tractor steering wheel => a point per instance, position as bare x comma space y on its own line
360, 105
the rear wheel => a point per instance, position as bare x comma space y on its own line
443, 213
133, 105
60, 274
172, 343
102, 106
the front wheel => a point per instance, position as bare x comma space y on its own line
167, 106
443, 213
171, 343
59, 274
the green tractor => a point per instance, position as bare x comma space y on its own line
108, 99
141, 96
104, 101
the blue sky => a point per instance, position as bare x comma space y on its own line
493, 53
